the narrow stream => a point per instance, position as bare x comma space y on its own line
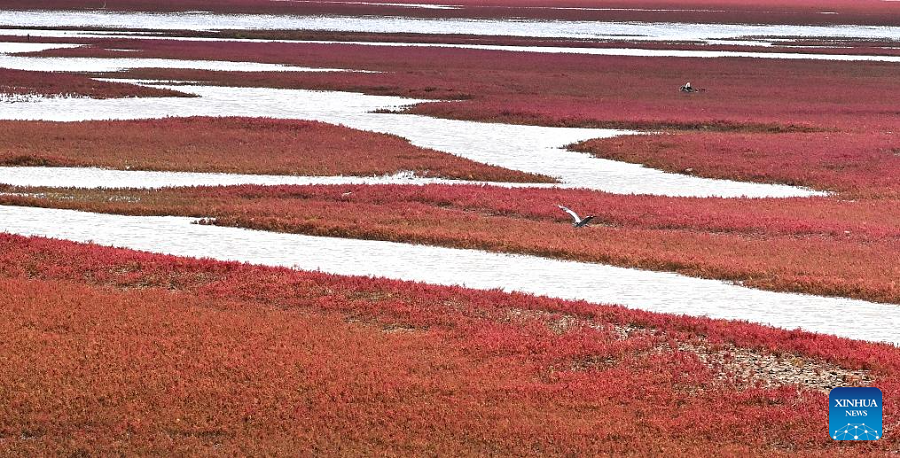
525, 148
653, 291
636, 31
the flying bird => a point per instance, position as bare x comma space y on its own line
577, 221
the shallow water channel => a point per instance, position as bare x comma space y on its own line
596, 283
643, 31
525, 148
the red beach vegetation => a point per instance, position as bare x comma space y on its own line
822, 12
815, 245
121, 352
116, 352
760, 95
233, 145
853, 164
20, 82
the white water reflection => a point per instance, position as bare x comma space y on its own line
94, 178
16, 47
645, 290
32, 98
168, 36
112, 64
629, 52
49, 33
621, 52
654, 31
525, 148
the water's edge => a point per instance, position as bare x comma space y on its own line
646, 290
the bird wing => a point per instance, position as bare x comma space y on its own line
570, 212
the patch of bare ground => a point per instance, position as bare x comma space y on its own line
562, 323
386, 327
747, 367
738, 366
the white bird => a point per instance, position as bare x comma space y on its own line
577, 221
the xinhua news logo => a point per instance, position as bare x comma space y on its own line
855, 414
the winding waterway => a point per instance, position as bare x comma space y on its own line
530, 149
635, 31
646, 290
